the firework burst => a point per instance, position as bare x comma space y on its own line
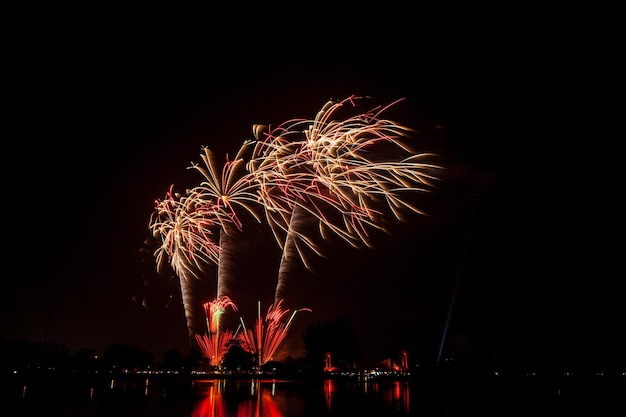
340, 173
214, 343
185, 230
233, 193
269, 333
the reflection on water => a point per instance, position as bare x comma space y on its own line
160, 397
221, 398
329, 390
272, 398
275, 398
393, 394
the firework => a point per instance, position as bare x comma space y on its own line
233, 193
185, 230
268, 334
214, 343
189, 226
340, 174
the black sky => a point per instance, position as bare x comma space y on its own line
105, 117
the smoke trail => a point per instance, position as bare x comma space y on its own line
226, 262
189, 287
292, 255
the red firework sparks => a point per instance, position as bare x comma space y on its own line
269, 333
214, 344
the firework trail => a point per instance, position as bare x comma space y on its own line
333, 171
292, 199
185, 229
187, 245
350, 158
231, 191
190, 225
339, 174
268, 334
214, 344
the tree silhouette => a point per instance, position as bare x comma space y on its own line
129, 357
237, 358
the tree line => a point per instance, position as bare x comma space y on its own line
336, 337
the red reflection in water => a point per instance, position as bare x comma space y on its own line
401, 395
329, 388
260, 403
398, 396
395, 394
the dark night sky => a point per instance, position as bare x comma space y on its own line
104, 117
